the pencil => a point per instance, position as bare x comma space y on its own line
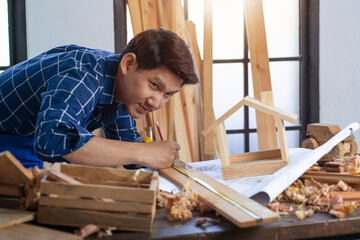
158, 128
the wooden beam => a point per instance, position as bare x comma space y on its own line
207, 81
259, 59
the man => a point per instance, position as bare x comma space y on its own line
50, 104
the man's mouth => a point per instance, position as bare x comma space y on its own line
143, 109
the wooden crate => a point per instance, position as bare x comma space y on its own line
13, 177
125, 199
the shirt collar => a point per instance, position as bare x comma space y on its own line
108, 92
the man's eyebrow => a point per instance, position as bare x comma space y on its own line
162, 84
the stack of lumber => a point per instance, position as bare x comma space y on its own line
106, 197
184, 117
13, 177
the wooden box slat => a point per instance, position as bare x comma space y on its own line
91, 204
105, 174
98, 191
11, 190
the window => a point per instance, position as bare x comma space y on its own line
12, 33
291, 33
4, 36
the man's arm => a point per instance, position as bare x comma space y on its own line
106, 152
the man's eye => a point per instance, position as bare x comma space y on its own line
169, 94
154, 85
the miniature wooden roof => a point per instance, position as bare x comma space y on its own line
258, 105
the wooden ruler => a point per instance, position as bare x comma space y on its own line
243, 213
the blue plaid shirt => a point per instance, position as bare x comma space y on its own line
60, 97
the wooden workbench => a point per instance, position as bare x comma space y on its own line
319, 226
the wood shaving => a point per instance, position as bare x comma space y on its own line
182, 204
32, 189
315, 196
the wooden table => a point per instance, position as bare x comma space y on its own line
319, 226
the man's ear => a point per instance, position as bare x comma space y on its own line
128, 62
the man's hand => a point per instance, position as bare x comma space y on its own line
160, 154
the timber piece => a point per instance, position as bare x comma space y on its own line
334, 166
69, 217
149, 14
11, 202
259, 59
253, 168
251, 102
30, 232
338, 151
223, 149
322, 132
91, 204
11, 190
104, 174
350, 196
135, 14
9, 217
207, 91
94, 191
332, 177
12, 171
310, 143
219, 204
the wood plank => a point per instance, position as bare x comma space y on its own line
105, 173
12, 171
221, 119
11, 190
219, 204
222, 145
69, 217
259, 59
208, 115
181, 135
149, 14
135, 14
10, 202
252, 156
9, 217
273, 111
350, 196
253, 168
31, 232
332, 177
91, 204
97, 191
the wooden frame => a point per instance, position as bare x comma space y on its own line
255, 163
125, 199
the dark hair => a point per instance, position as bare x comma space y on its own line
155, 48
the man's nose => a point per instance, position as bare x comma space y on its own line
156, 101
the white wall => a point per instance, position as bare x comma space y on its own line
52, 23
340, 62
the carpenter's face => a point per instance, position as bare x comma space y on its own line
145, 90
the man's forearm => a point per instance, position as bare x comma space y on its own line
105, 152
